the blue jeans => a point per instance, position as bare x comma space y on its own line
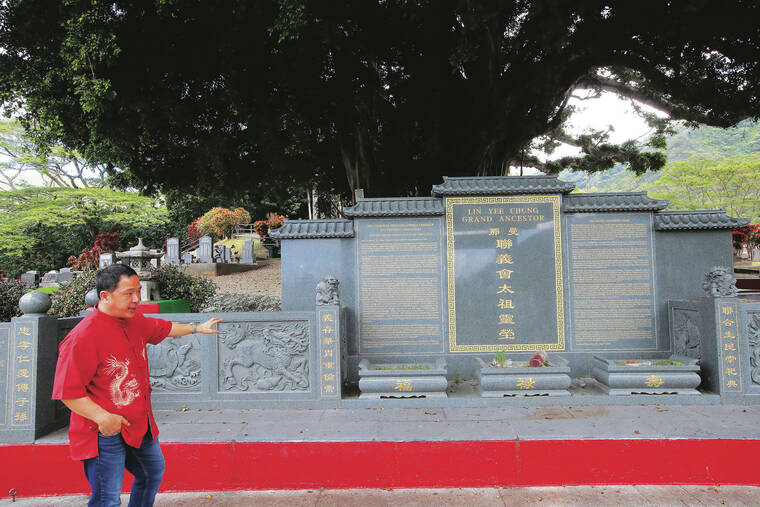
105, 472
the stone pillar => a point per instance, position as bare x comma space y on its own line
28, 355
205, 249
246, 256
172, 251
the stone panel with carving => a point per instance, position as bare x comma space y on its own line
175, 364
264, 356
687, 337
753, 332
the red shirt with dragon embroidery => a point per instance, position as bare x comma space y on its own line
105, 358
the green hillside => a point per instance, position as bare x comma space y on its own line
743, 139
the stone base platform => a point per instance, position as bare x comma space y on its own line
213, 269
425, 447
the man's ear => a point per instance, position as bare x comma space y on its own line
103, 295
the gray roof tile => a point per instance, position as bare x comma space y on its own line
621, 201
314, 229
691, 220
501, 185
395, 207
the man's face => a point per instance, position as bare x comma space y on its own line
123, 300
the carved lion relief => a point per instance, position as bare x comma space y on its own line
264, 356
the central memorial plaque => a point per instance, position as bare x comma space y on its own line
505, 288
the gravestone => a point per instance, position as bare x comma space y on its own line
106, 259
187, 258
246, 256
205, 249
227, 254
66, 275
30, 279
506, 264
50, 279
172, 250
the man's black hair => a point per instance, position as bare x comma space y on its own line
108, 278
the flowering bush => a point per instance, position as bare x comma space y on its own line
88, 259
748, 235
273, 221
68, 301
192, 231
220, 222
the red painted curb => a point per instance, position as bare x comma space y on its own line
46, 469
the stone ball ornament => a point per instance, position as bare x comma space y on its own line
34, 303
91, 298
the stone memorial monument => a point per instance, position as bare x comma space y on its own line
30, 279
172, 251
246, 255
511, 265
50, 279
205, 249
105, 259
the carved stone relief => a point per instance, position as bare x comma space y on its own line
720, 283
753, 332
175, 364
687, 338
264, 356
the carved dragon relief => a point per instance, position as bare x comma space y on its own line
687, 337
264, 356
175, 364
753, 332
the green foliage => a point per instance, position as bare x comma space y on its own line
500, 358
703, 182
226, 302
176, 283
42, 227
386, 96
220, 222
10, 292
68, 301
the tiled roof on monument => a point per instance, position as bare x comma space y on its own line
395, 207
691, 220
314, 229
502, 185
621, 201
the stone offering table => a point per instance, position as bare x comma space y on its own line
656, 376
413, 380
519, 379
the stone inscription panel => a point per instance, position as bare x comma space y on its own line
23, 378
400, 285
328, 331
505, 285
5, 349
728, 341
612, 282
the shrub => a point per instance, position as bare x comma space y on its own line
10, 292
226, 302
273, 221
192, 231
88, 259
220, 222
176, 283
68, 300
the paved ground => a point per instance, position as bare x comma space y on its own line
455, 423
502, 497
263, 280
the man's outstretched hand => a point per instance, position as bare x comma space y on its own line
208, 326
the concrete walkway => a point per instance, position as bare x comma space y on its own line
454, 424
502, 497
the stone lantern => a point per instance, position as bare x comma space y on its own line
140, 258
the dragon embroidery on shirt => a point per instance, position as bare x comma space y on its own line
123, 392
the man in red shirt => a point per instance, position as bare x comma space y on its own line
103, 377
